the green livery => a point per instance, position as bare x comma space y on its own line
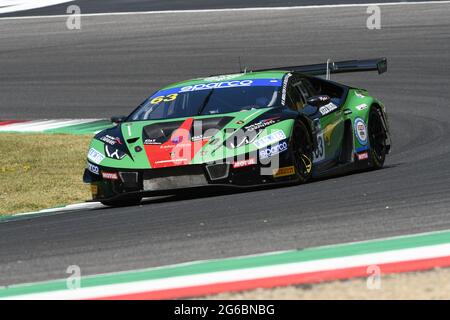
240, 130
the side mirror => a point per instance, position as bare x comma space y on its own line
118, 119
318, 101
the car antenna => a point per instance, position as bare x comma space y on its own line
240, 66
327, 77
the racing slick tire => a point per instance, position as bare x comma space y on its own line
302, 149
122, 202
377, 138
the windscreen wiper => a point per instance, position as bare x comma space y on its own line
205, 102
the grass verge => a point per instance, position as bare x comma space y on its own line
39, 171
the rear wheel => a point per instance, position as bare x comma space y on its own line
123, 202
303, 152
377, 137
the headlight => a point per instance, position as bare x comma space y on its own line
114, 153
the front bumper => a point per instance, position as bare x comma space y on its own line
111, 183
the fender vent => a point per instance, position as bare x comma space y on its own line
347, 143
132, 140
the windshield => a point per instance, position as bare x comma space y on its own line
209, 99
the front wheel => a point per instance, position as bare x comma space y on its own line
303, 152
377, 137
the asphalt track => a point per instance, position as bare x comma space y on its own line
114, 62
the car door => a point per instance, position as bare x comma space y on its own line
329, 127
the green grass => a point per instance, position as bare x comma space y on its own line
39, 171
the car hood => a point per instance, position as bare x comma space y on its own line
184, 141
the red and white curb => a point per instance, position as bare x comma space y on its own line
35, 126
392, 261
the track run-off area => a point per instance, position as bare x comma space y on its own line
115, 61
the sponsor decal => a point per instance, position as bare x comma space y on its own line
240, 122
111, 140
93, 168
283, 172
217, 85
273, 150
284, 91
172, 93
323, 98
270, 139
172, 160
110, 175
359, 95
114, 153
151, 141
242, 139
347, 112
363, 156
361, 107
244, 163
200, 137
361, 149
361, 131
223, 78
173, 145
95, 156
261, 124
328, 108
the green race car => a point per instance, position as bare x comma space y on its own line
283, 125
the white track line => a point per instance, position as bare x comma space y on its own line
234, 9
9, 6
393, 256
70, 207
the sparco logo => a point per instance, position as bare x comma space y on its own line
273, 150
217, 85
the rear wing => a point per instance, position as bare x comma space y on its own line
379, 64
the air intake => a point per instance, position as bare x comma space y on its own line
218, 171
129, 179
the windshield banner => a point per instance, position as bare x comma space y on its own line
221, 85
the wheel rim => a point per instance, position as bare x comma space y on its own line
377, 137
302, 156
